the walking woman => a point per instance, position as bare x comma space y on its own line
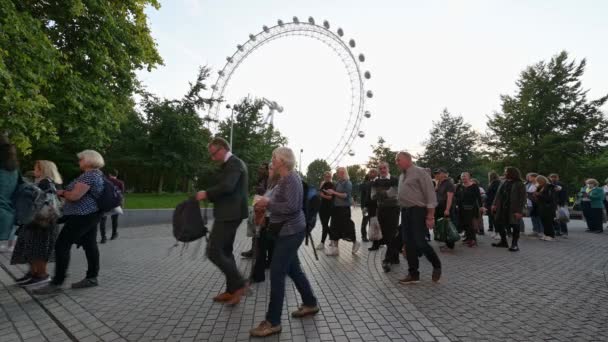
326, 206
595, 195
468, 204
545, 199
494, 183
342, 227
36, 244
508, 207
81, 216
265, 244
9, 176
288, 224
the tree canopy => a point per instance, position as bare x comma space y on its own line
315, 171
451, 145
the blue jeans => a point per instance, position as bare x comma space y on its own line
285, 262
537, 225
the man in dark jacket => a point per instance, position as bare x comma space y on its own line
384, 192
366, 188
561, 227
230, 198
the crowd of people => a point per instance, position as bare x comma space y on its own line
35, 243
400, 210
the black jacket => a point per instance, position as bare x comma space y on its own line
230, 195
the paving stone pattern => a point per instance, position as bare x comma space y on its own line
550, 291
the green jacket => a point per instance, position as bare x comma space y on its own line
597, 198
230, 194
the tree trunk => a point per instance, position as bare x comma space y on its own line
161, 181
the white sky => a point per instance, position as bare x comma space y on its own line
423, 56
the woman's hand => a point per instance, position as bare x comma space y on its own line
262, 203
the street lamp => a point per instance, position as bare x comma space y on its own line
231, 123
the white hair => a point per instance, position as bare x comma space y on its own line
285, 154
92, 158
345, 172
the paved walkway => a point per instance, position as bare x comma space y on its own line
550, 291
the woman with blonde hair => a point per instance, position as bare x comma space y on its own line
36, 243
81, 216
342, 227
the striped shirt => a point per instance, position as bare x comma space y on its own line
285, 205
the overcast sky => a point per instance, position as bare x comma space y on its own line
423, 55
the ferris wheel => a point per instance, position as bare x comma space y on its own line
342, 48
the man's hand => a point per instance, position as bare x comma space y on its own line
518, 216
201, 195
430, 222
446, 213
493, 208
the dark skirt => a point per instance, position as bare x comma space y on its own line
342, 227
35, 243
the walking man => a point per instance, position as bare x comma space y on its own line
230, 198
384, 192
417, 200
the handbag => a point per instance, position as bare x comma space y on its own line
274, 228
375, 231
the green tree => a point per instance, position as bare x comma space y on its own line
169, 138
315, 171
67, 71
253, 140
452, 145
383, 153
356, 174
549, 125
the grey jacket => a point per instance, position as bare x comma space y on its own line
230, 195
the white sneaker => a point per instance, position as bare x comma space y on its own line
496, 236
331, 251
321, 246
547, 238
356, 246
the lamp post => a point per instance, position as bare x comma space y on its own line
231, 123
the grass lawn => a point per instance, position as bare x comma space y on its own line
154, 200
159, 201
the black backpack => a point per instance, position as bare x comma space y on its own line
110, 196
188, 223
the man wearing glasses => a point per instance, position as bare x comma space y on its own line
230, 198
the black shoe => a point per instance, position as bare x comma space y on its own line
365, 240
84, 283
103, 240
598, 231
501, 244
24, 279
114, 236
373, 248
386, 266
395, 262
514, 249
35, 281
248, 254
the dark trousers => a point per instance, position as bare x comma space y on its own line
561, 228
491, 224
263, 256
586, 206
341, 225
548, 220
388, 218
596, 219
414, 221
82, 231
465, 222
219, 251
364, 223
513, 228
285, 262
102, 225
325, 216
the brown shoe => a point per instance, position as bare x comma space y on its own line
409, 280
222, 297
237, 295
304, 311
265, 329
